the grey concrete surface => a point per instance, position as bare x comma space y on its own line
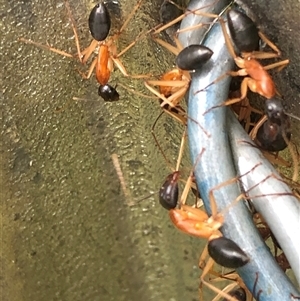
67, 233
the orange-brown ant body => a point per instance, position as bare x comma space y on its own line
196, 222
257, 79
256, 76
173, 85
107, 54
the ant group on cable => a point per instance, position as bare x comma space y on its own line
271, 133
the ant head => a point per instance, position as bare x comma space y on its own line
108, 93
274, 109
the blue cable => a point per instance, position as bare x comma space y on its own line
217, 165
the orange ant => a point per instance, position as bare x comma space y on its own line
107, 57
256, 77
196, 222
173, 85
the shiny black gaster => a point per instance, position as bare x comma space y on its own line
227, 253
193, 57
168, 193
270, 137
99, 22
243, 31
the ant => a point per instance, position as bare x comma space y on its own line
272, 133
256, 77
173, 85
169, 191
99, 24
195, 222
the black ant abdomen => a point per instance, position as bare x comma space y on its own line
168, 193
99, 22
227, 253
271, 137
243, 31
193, 57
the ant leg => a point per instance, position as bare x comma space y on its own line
275, 159
139, 37
279, 65
135, 8
67, 5
181, 149
90, 71
58, 51
269, 43
212, 83
175, 98
226, 183
179, 115
47, 47
244, 88
189, 181
228, 41
203, 257
237, 289
254, 131
244, 110
167, 46
161, 96
206, 271
182, 85
266, 55
294, 157
116, 55
124, 72
196, 11
87, 52
135, 92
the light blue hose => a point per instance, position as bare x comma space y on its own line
216, 165
281, 212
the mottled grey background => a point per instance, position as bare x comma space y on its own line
67, 233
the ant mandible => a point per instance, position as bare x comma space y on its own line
256, 77
99, 25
